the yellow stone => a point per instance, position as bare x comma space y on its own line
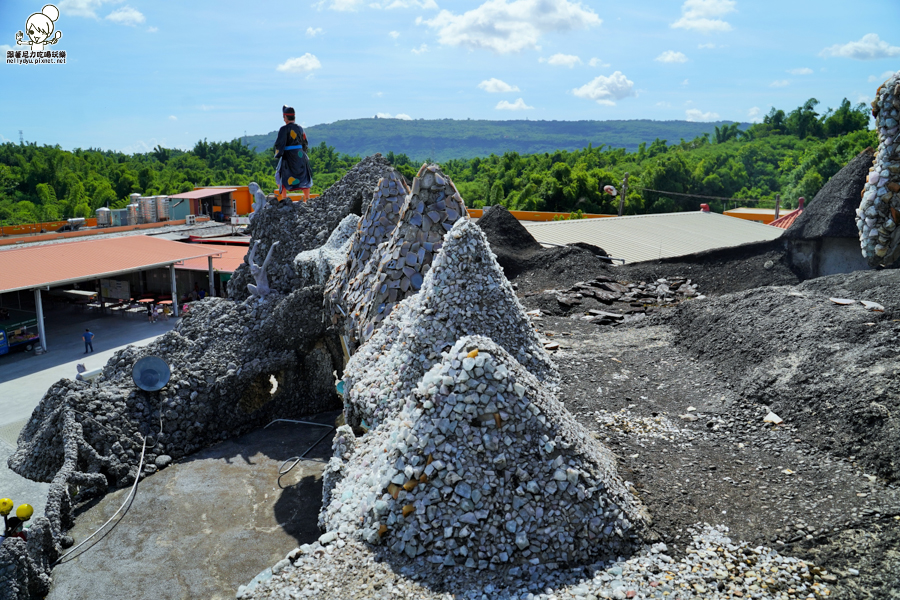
410, 485
382, 530
409, 508
473, 353
394, 490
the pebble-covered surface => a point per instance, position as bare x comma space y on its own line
314, 267
301, 226
483, 467
352, 280
713, 566
465, 293
879, 212
399, 265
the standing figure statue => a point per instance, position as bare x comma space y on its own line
259, 198
261, 289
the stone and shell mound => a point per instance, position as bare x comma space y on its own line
484, 465
301, 226
220, 386
878, 216
314, 267
464, 293
429, 212
352, 280
829, 370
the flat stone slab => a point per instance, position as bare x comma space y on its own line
206, 524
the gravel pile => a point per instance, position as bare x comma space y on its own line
399, 266
607, 290
822, 355
465, 293
510, 241
352, 280
301, 226
483, 466
879, 212
713, 566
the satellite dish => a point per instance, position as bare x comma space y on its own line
151, 373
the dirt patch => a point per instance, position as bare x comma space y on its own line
697, 450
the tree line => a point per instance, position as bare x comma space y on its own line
789, 153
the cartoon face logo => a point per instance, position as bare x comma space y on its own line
40, 27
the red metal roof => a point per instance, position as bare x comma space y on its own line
60, 264
204, 193
228, 260
787, 220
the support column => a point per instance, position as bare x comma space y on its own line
174, 290
212, 280
40, 319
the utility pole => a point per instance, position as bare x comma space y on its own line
21, 138
622, 193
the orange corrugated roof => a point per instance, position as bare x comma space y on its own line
231, 258
202, 193
59, 264
787, 220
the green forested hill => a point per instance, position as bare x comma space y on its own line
792, 154
444, 139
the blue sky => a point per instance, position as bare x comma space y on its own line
146, 72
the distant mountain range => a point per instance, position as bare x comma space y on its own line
444, 139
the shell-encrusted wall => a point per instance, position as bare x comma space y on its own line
878, 215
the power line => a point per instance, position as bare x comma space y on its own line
699, 196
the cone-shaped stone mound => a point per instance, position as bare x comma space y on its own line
484, 465
351, 283
879, 212
430, 210
464, 293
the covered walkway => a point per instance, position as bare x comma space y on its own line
39, 268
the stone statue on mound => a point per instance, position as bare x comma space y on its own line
259, 198
261, 289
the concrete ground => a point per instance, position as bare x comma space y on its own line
25, 376
203, 526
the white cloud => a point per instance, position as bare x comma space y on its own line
870, 47
510, 25
596, 62
83, 8
708, 46
495, 86
126, 16
694, 114
670, 56
517, 105
152, 29
663, 104
5, 47
780, 83
606, 90
801, 71
394, 34
378, 94
421, 49
401, 116
872, 78
313, 31
426, 4
340, 5
754, 115
303, 64
685, 82
173, 118
561, 60
700, 15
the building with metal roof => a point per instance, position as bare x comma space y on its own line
649, 237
